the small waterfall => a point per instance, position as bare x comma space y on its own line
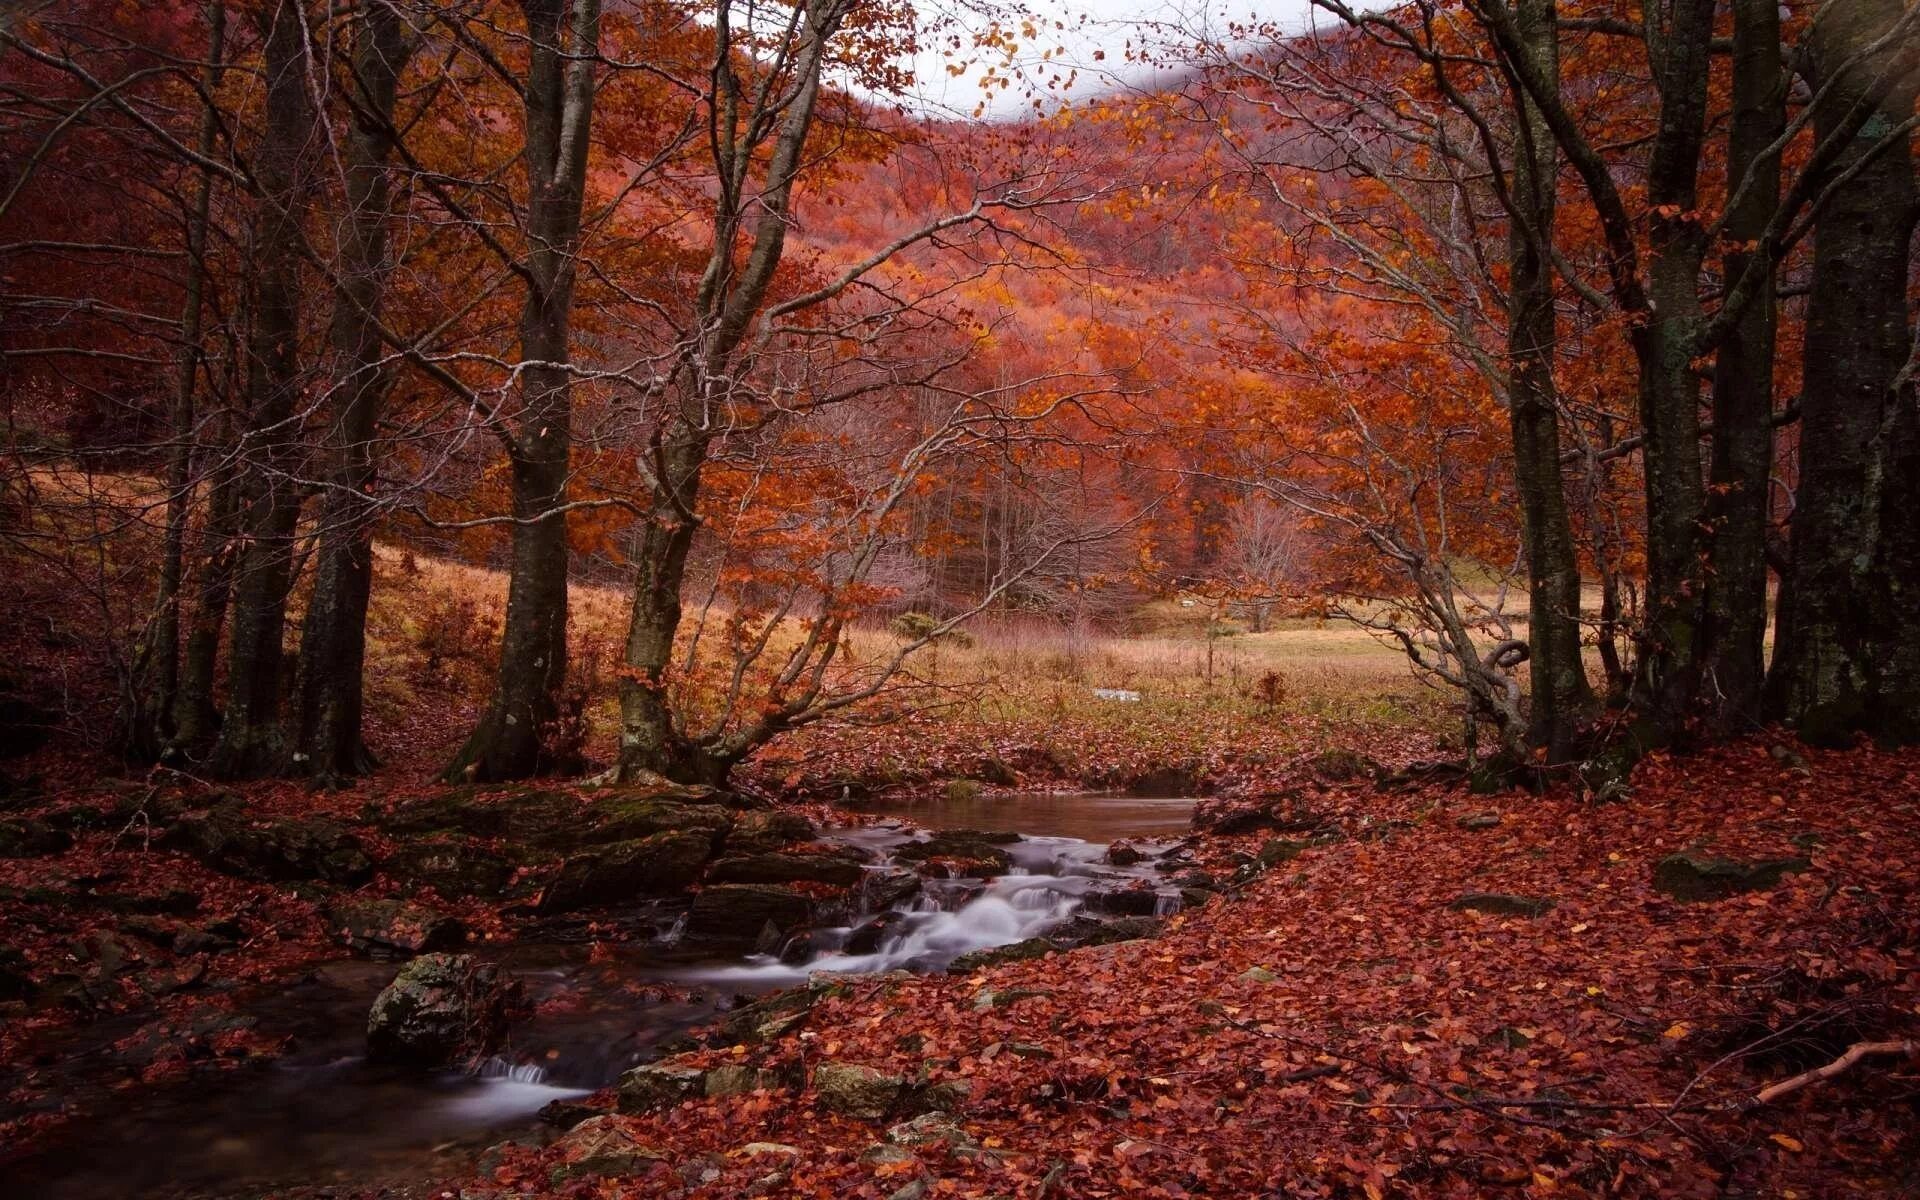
512, 1072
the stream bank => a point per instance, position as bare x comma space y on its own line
610, 985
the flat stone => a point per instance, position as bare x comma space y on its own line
1694, 878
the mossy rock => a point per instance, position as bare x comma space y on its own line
772, 829
659, 865
270, 848
441, 1010
452, 866
835, 868
745, 915
1692, 878
1031, 948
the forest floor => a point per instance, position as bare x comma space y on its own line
1391, 987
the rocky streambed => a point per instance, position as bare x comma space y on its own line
604, 972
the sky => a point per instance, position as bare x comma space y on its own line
1091, 46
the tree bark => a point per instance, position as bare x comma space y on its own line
252, 742
1560, 694
333, 640
1731, 655
156, 727
729, 297
1665, 341
1845, 659
509, 741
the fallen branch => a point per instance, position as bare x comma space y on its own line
1846, 1062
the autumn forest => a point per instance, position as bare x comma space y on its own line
626, 598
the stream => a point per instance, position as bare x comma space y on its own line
322, 1115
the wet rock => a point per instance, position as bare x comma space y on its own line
440, 1010
392, 928
884, 888
565, 1114
657, 1086
452, 866
974, 960
658, 865
778, 1014
177, 976
976, 854
1197, 897
856, 1091
1124, 854
272, 849
868, 937
32, 838
1692, 878
604, 1147
1502, 905
1282, 812
774, 829
1129, 902
745, 915
834, 867
1089, 932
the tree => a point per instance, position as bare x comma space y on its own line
334, 636
1844, 659
558, 115
251, 741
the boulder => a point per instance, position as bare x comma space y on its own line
603, 1147
837, 868
774, 829
888, 886
1129, 902
977, 854
1692, 878
1086, 931
869, 1095
737, 1079
1479, 821
272, 849
1124, 854
392, 928
974, 960
441, 1010
856, 1091
658, 865
452, 866
1502, 905
745, 915
658, 1086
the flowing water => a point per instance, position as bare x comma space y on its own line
323, 1115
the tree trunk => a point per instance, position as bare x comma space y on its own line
333, 642
155, 724
508, 743
195, 716
1731, 654
1561, 696
649, 738
1849, 615
251, 741
1665, 343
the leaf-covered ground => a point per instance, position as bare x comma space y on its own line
1336, 1027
